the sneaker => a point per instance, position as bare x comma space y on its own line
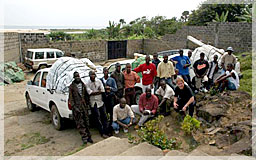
116, 131
136, 127
125, 130
205, 90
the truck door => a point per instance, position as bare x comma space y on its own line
42, 92
35, 89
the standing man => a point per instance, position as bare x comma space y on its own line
79, 98
95, 89
189, 55
228, 58
130, 79
119, 78
109, 97
213, 68
201, 67
123, 116
183, 66
165, 71
147, 107
148, 71
156, 61
164, 93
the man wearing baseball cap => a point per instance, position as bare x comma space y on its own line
228, 58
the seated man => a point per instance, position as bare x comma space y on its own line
184, 98
164, 93
123, 116
147, 107
229, 80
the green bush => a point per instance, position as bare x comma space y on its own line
152, 134
245, 60
190, 124
59, 36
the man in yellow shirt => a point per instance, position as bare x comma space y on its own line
165, 71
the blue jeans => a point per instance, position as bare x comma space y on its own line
231, 86
169, 82
115, 125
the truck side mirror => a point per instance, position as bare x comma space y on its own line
29, 83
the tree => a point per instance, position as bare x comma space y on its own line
207, 13
184, 16
113, 30
247, 16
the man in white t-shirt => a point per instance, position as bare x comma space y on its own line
164, 93
122, 116
229, 80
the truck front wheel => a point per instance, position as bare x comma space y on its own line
57, 121
30, 105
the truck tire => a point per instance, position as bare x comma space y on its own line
137, 96
31, 107
57, 121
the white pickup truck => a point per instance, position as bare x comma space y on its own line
38, 96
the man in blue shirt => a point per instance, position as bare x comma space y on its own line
183, 66
109, 97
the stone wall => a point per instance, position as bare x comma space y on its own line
11, 47
134, 46
95, 50
220, 35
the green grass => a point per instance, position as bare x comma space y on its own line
32, 139
245, 60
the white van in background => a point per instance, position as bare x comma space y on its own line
41, 58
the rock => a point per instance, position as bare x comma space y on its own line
197, 152
244, 146
176, 153
212, 112
143, 149
214, 131
111, 146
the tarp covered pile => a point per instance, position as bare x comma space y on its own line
60, 75
10, 73
137, 62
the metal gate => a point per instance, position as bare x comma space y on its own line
117, 49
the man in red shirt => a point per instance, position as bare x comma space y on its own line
148, 71
147, 107
130, 79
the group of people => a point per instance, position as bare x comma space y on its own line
165, 84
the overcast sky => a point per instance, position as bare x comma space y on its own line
95, 13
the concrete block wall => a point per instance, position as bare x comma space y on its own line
134, 46
11, 47
221, 35
94, 50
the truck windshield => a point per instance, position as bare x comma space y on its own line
59, 54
